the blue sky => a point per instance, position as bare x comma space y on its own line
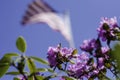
85, 18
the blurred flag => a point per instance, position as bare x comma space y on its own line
40, 12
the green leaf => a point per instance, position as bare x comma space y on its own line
108, 65
39, 60
91, 61
51, 76
14, 73
4, 65
115, 54
31, 65
3, 69
74, 52
68, 78
42, 69
5, 59
15, 78
102, 76
21, 44
50, 70
59, 66
30, 77
11, 54
91, 79
118, 36
40, 77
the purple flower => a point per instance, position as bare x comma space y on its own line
66, 52
95, 72
102, 34
88, 45
101, 63
105, 50
77, 70
21, 78
112, 22
58, 55
52, 53
107, 28
82, 58
62, 78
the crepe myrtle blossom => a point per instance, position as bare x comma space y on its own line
58, 54
108, 28
77, 70
82, 58
82, 69
104, 52
21, 78
102, 56
62, 78
95, 71
66, 52
88, 45
101, 63
112, 22
52, 51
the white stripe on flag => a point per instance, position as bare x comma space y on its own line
40, 11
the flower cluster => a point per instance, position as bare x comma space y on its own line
95, 58
58, 55
89, 65
88, 45
108, 29
77, 70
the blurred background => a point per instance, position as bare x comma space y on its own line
85, 17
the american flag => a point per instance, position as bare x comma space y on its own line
40, 12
